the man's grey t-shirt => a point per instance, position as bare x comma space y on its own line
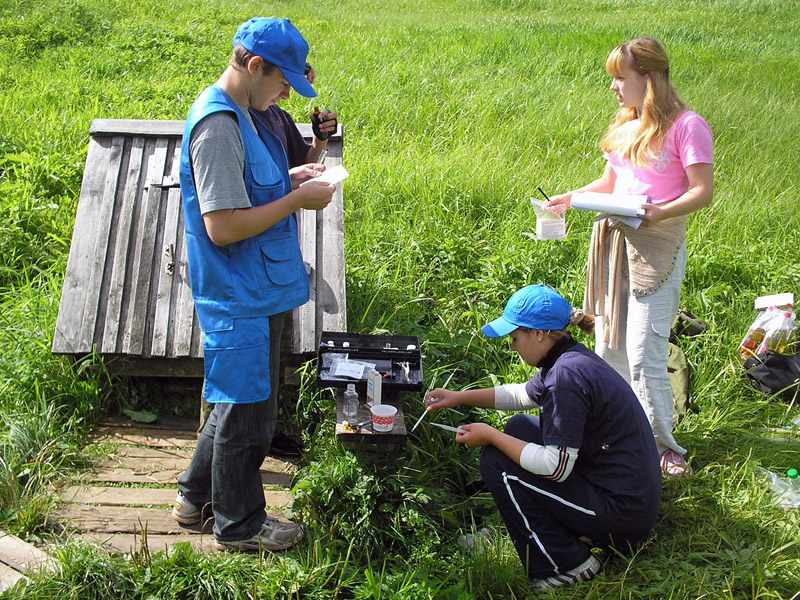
216, 151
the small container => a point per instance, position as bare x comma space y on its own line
784, 493
548, 225
350, 407
383, 417
374, 383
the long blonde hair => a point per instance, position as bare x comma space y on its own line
660, 107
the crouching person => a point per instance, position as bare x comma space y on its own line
585, 472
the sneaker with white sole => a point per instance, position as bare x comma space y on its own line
273, 535
184, 512
583, 572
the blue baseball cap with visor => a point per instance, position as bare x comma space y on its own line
534, 307
277, 41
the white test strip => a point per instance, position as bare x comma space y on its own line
422, 416
448, 428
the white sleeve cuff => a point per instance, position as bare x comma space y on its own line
512, 396
549, 462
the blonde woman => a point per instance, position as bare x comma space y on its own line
655, 147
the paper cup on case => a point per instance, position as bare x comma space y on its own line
383, 417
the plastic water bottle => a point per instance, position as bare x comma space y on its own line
350, 407
785, 493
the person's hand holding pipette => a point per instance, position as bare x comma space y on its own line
440, 398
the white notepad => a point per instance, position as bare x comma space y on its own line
331, 176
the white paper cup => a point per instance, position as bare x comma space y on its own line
383, 417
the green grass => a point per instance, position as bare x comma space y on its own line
453, 114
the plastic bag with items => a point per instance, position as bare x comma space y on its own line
774, 329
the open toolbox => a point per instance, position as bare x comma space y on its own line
344, 358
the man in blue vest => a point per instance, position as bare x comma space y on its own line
246, 271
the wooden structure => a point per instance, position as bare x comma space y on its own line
364, 434
125, 502
126, 293
18, 559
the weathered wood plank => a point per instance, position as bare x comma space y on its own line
144, 437
80, 294
331, 312
121, 239
23, 557
117, 496
170, 476
164, 269
162, 453
9, 577
101, 229
152, 464
144, 242
121, 519
101, 127
128, 543
186, 319
134, 127
183, 424
304, 317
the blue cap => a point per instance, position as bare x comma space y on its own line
277, 41
534, 307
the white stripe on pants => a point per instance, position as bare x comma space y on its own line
643, 349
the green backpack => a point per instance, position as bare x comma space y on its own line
687, 324
678, 370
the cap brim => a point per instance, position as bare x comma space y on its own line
299, 83
498, 328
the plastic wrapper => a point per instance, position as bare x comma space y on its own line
773, 329
780, 332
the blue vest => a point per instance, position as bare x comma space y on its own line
262, 275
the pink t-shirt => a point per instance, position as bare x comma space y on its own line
688, 143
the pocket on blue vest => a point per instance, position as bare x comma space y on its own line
265, 175
240, 373
282, 259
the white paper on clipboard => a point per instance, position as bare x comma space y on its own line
624, 207
331, 176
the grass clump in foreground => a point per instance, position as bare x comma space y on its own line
452, 117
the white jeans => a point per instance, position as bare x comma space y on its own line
643, 348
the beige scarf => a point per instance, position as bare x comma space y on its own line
651, 253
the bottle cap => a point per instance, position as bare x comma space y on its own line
791, 473
351, 386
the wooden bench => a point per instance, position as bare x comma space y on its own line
126, 292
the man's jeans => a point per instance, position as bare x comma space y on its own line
225, 467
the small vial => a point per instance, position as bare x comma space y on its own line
350, 407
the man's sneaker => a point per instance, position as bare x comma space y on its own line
273, 535
674, 464
284, 446
583, 572
184, 512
